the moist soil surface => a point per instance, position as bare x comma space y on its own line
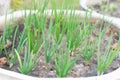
80, 69
115, 12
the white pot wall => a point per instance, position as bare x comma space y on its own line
85, 4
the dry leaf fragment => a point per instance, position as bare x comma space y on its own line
11, 55
74, 74
95, 60
3, 61
114, 46
9, 43
109, 31
86, 63
116, 36
92, 39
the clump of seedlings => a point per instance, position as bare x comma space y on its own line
104, 59
64, 63
61, 39
88, 51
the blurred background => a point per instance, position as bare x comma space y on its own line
21, 4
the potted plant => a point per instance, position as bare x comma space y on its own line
106, 7
58, 43
18, 15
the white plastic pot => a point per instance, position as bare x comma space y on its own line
85, 4
10, 75
4, 6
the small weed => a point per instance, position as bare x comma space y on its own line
108, 7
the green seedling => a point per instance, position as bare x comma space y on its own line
30, 54
58, 27
17, 40
49, 44
1, 44
31, 41
88, 50
73, 35
29, 62
34, 27
49, 50
5, 36
63, 62
105, 59
13, 60
77, 33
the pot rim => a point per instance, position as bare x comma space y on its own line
84, 4
10, 75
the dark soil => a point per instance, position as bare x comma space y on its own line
80, 69
115, 12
